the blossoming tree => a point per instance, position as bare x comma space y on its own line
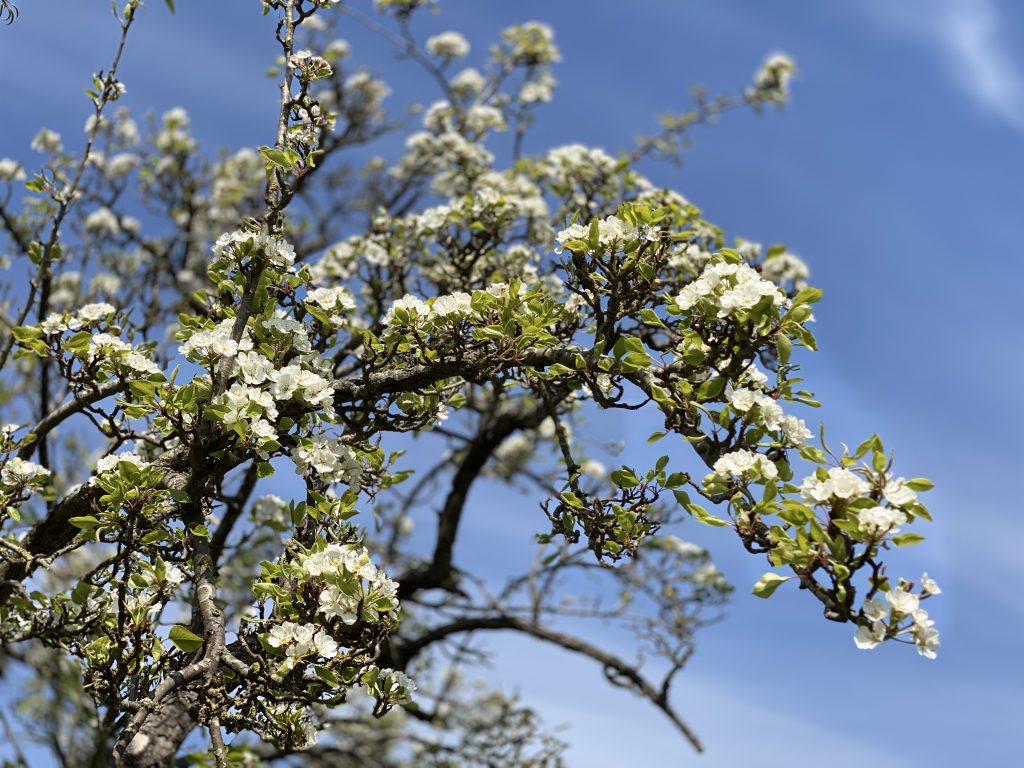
283, 310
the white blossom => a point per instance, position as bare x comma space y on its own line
897, 492
771, 82
215, 343
140, 363
92, 313
868, 637
240, 244
611, 230
728, 289
467, 82
254, 368
102, 220
448, 45
337, 50
332, 460
110, 462
455, 304
47, 142
336, 604
295, 333
746, 465
771, 416
783, 268
11, 170
926, 637
903, 601
929, 586
877, 521
874, 610
337, 299
17, 472
794, 431
325, 645
841, 484
173, 575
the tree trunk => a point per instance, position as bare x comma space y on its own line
156, 745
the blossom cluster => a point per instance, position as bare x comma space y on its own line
746, 465
300, 641
764, 410
448, 45
240, 245
17, 473
439, 313
838, 484
346, 597
333, 461
729, 289
208, 346
889, 619
611, 230
566, 164
529, 44
347, 588
111, 462
771, 82
97, 347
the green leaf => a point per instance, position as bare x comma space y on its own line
184, 639
878, 461
768, 583
624, 478
906, 539
138, 581
143, 389
25, 333
153, 537
810, 453
711, 389
919, 484
627, 345
650, 317
701, 515
807, 296
327, 676
80, 594
784, 347
282, 159
85, 522
572, 500
676, 479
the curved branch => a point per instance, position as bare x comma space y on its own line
492, 431
615, 669
79, 404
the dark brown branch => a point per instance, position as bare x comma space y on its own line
618, 671
68, 409
492, 430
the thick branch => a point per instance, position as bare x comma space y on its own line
493, 429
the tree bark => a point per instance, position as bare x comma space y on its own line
157, 743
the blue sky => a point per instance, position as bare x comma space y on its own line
894, 172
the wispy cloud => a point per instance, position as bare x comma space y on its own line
965, 33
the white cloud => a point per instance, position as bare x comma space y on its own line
965, 33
